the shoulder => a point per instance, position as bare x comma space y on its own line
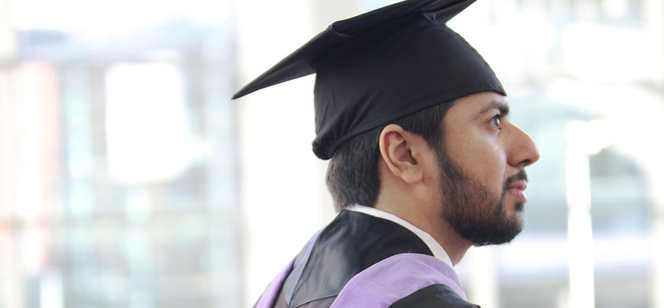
404, 280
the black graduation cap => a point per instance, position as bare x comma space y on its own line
382, 66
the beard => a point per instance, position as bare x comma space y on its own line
475, 213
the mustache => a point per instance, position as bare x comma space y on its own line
521, 176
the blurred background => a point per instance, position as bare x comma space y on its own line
128, 178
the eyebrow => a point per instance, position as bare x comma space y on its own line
502, 107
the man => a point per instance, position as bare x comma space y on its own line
424, 162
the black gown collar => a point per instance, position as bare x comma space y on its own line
351, 243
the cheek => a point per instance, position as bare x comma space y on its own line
492, 163
484, 159
499, 160
498, 155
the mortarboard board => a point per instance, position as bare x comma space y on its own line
382, 66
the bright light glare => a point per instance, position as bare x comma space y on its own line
602, 53
34, 249
50, 290
591, 137
208, 11
634, 113
483, 276
615, 8
104, 18
583, 139
579, 223
146, 127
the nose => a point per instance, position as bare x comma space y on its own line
521, 151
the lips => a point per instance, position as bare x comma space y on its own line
517, 189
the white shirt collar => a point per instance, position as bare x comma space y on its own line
433, 245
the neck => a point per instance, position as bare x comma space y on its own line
455, 246
432, 223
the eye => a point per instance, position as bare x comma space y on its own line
495, 121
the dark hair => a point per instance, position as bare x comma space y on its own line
352, 174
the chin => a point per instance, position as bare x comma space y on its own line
515, 209
516, 215
519, 207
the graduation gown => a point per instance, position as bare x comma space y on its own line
362, 261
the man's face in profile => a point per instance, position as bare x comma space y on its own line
482, 175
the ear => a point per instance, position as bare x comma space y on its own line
400, 150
